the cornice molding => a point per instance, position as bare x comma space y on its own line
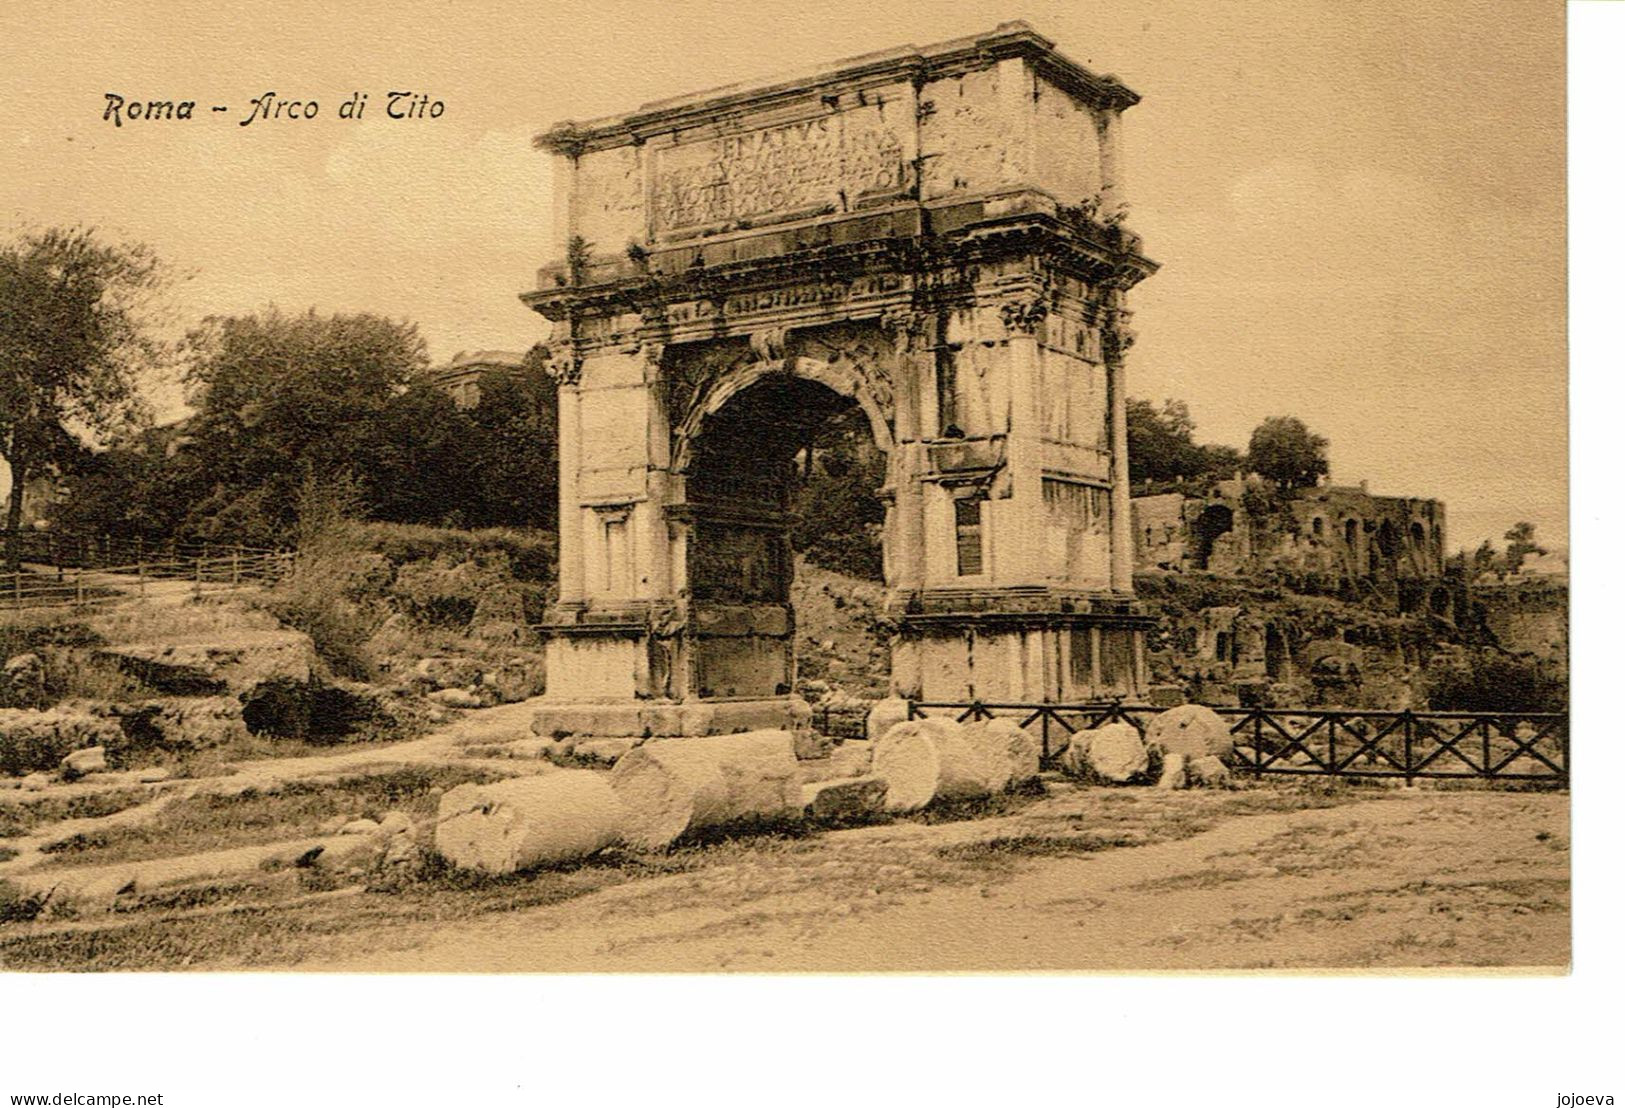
911, 64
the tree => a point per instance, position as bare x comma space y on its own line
1520, 544
1288, 453
73, 347
426, 461
516, 441
836, 516
1162, 445
288, 399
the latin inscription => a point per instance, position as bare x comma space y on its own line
824, 164
790, 296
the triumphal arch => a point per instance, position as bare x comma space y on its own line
931, 236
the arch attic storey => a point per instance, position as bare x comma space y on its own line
931, 235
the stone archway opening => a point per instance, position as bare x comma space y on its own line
780, 466
1215, 520
1277, 661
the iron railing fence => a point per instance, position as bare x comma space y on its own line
1340, 742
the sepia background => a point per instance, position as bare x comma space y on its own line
1295, 190
1358, 207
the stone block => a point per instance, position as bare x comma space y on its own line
92, 759
844, 799
1207, 771
204, 665
1191, 730
885, 715
1173, 772
810, 745
1117, 753
606, 751
853, 757
1165, 696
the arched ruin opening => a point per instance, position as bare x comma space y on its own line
1276, 662
1388, 540
749, 466
1439, 601
1215, 520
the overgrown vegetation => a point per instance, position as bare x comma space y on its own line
283, 401
72, 348
836, 515
376, 597
288, 811
1492, 681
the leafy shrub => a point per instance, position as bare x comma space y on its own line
1487, 681
531, 555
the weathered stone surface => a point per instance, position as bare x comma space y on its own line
38, 740
203, 665
1073, 759
664, 720
359, 827
885, 715
528, 822
1208, 770
180, 724
458, 698
848, 798
810, 744
1173, 772
1165, 696
92, 759
22, 682
813, 770
604, 751
1010, 752
1191, 730
445, 673
395, 823
348, 855
923, 760
519, 675
672, 787
1117, 753
853, 758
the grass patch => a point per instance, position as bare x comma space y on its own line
140, 622
20, 817
294, 810
1035, 846
858, 872
987, 807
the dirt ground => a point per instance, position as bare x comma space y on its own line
1465, 879
1277, 875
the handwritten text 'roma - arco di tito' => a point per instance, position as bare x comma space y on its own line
271, 107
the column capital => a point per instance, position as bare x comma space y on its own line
1023, 314
906, 327
562, 362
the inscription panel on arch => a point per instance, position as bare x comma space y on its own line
831, 163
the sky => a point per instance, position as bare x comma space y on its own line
1359, 208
